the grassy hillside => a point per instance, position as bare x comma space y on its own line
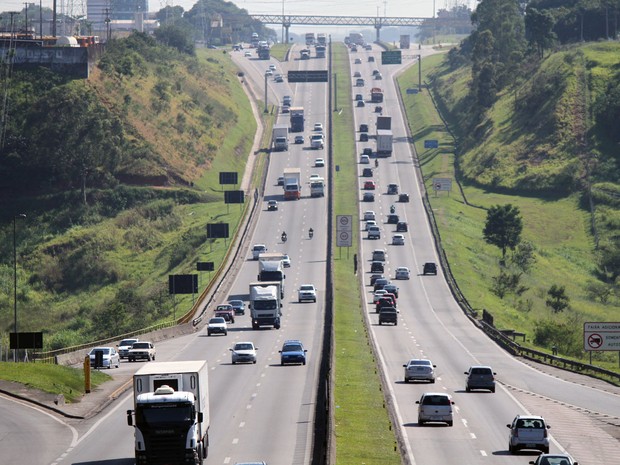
527, 162
93, 270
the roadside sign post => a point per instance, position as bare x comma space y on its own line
344, 232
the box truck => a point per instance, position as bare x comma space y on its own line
265, 304
297, 119
292, 183
279, 137
171, 413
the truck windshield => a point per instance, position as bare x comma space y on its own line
265, 305
271, 276
154, 415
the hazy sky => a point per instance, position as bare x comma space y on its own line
410, 8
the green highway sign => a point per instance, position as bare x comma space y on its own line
307, 76
391, 57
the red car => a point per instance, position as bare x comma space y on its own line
225, 311
370, 185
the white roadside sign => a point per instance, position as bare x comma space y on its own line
601, 336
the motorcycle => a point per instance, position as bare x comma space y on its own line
392, 209
311, 233
376, 163
283, 237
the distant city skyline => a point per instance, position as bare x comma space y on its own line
407, 8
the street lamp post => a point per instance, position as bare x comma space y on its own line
21, 215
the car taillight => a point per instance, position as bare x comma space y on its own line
545, 433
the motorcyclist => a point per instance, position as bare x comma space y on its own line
311, 233
376, 163
392, 208
283, 236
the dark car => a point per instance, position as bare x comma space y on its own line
367, 172
292, 352
363, 128
429, 268
383, 302
392, 219
401, 226
368, 197
374, 278
403, 198
380, 284
272, 206
361, 103
363, 137
371, 59
480, 377
238, 306
377, 267
392, 289
392, 189
388, 315
359, 97
367, 151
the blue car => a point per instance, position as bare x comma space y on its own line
293, 352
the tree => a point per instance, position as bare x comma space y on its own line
523, 257
539, 29
503, 227
557, 300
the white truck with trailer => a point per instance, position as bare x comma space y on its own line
265, 304
279, 137
171, 413
384, 136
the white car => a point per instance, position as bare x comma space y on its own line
318, 127
319, 163
125, 345
286, 261
314, 177
269, 72
419, 370
369, 215
370, 223
317, 140
398, 239
243, 352
364, 160
435, 407
306, 292
247, 54
109, 357
217, 325
402, 272
272, 67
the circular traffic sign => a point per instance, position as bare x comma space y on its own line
343, 220
344, 235
437, 186
595, 340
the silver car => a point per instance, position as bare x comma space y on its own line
109, 359
435, 407
419, 370
528, 432
243, 352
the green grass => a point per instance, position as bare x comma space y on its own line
54, 379
558, 228
362, 426
279, 51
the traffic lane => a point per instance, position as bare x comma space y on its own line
22, 423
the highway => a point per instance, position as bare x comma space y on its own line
264, 411
431, 325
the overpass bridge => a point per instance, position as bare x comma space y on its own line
286, 21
